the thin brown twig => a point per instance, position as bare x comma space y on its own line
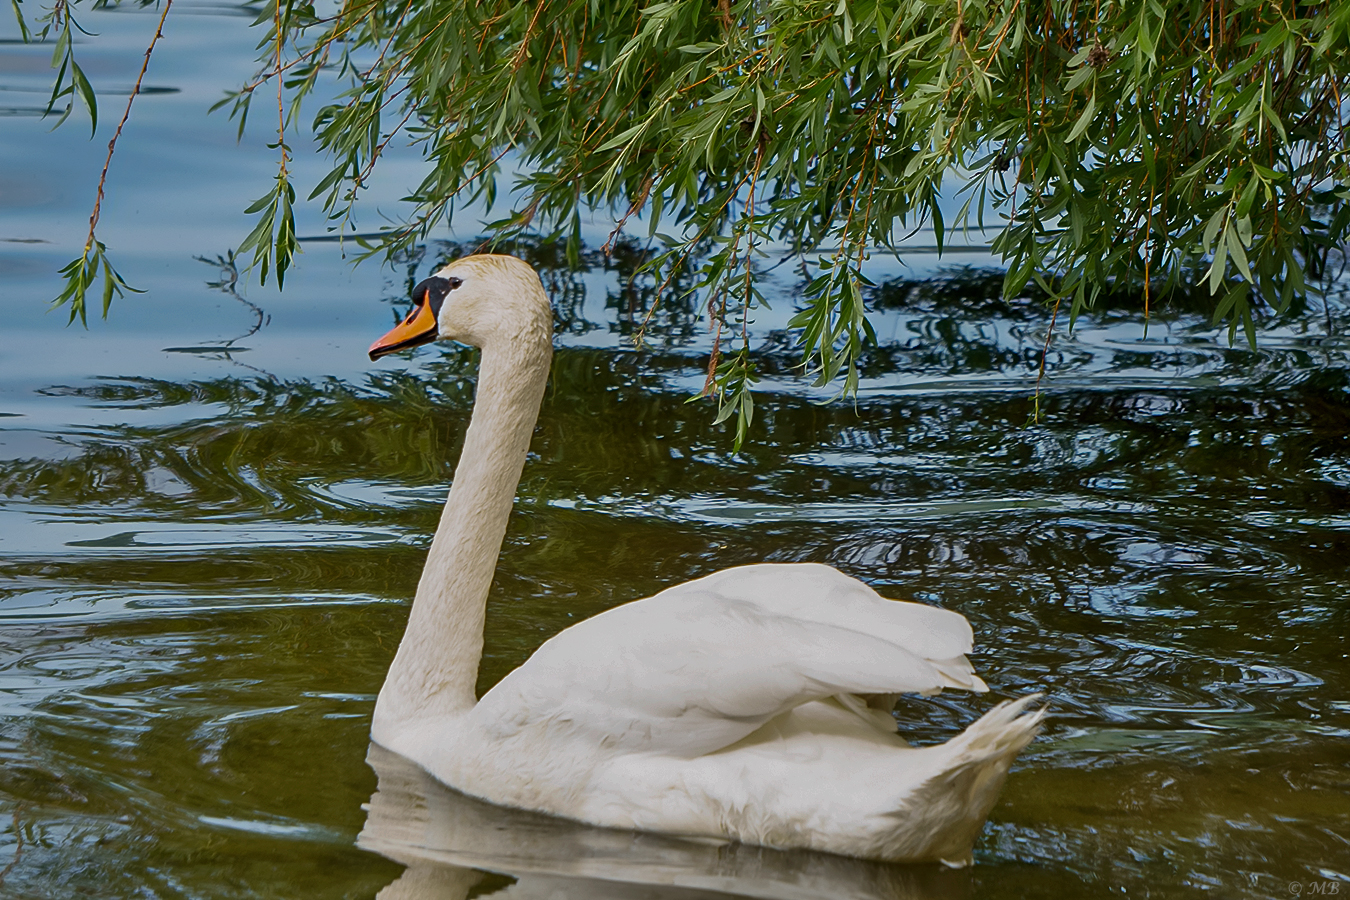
322, 46
359, 179
639, 201
1148, 255
871, 148
393, 34
716, 355
281, 105
594, 114
397, 67
525, 41
1045, 352
126, 113
421, 221
750, 246
379, 148
689, 248
721, 314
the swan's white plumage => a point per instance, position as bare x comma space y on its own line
702, 665
752, 704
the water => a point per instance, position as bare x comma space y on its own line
209, 538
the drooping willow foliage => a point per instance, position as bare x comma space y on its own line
1121, 144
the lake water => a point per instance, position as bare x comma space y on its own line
209, 538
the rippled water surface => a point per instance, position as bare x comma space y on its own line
208, 543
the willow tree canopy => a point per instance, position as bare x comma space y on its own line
1120, 145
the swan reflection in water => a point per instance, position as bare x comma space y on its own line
457, 847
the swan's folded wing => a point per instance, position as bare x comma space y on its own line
700, 666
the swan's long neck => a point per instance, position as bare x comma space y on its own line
436, 667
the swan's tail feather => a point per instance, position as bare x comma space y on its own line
957, 672
1003, 731
940, 820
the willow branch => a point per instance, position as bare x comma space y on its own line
126, 113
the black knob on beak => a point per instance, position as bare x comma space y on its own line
433, 291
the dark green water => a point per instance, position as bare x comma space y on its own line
207, 549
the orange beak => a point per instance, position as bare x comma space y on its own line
418, 328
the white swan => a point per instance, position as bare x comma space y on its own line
750, 705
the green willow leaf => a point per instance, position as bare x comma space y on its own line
1084, 120
86, 92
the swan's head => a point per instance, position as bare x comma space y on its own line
479, 300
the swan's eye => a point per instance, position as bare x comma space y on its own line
455, 282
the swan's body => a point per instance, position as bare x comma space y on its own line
749, 705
